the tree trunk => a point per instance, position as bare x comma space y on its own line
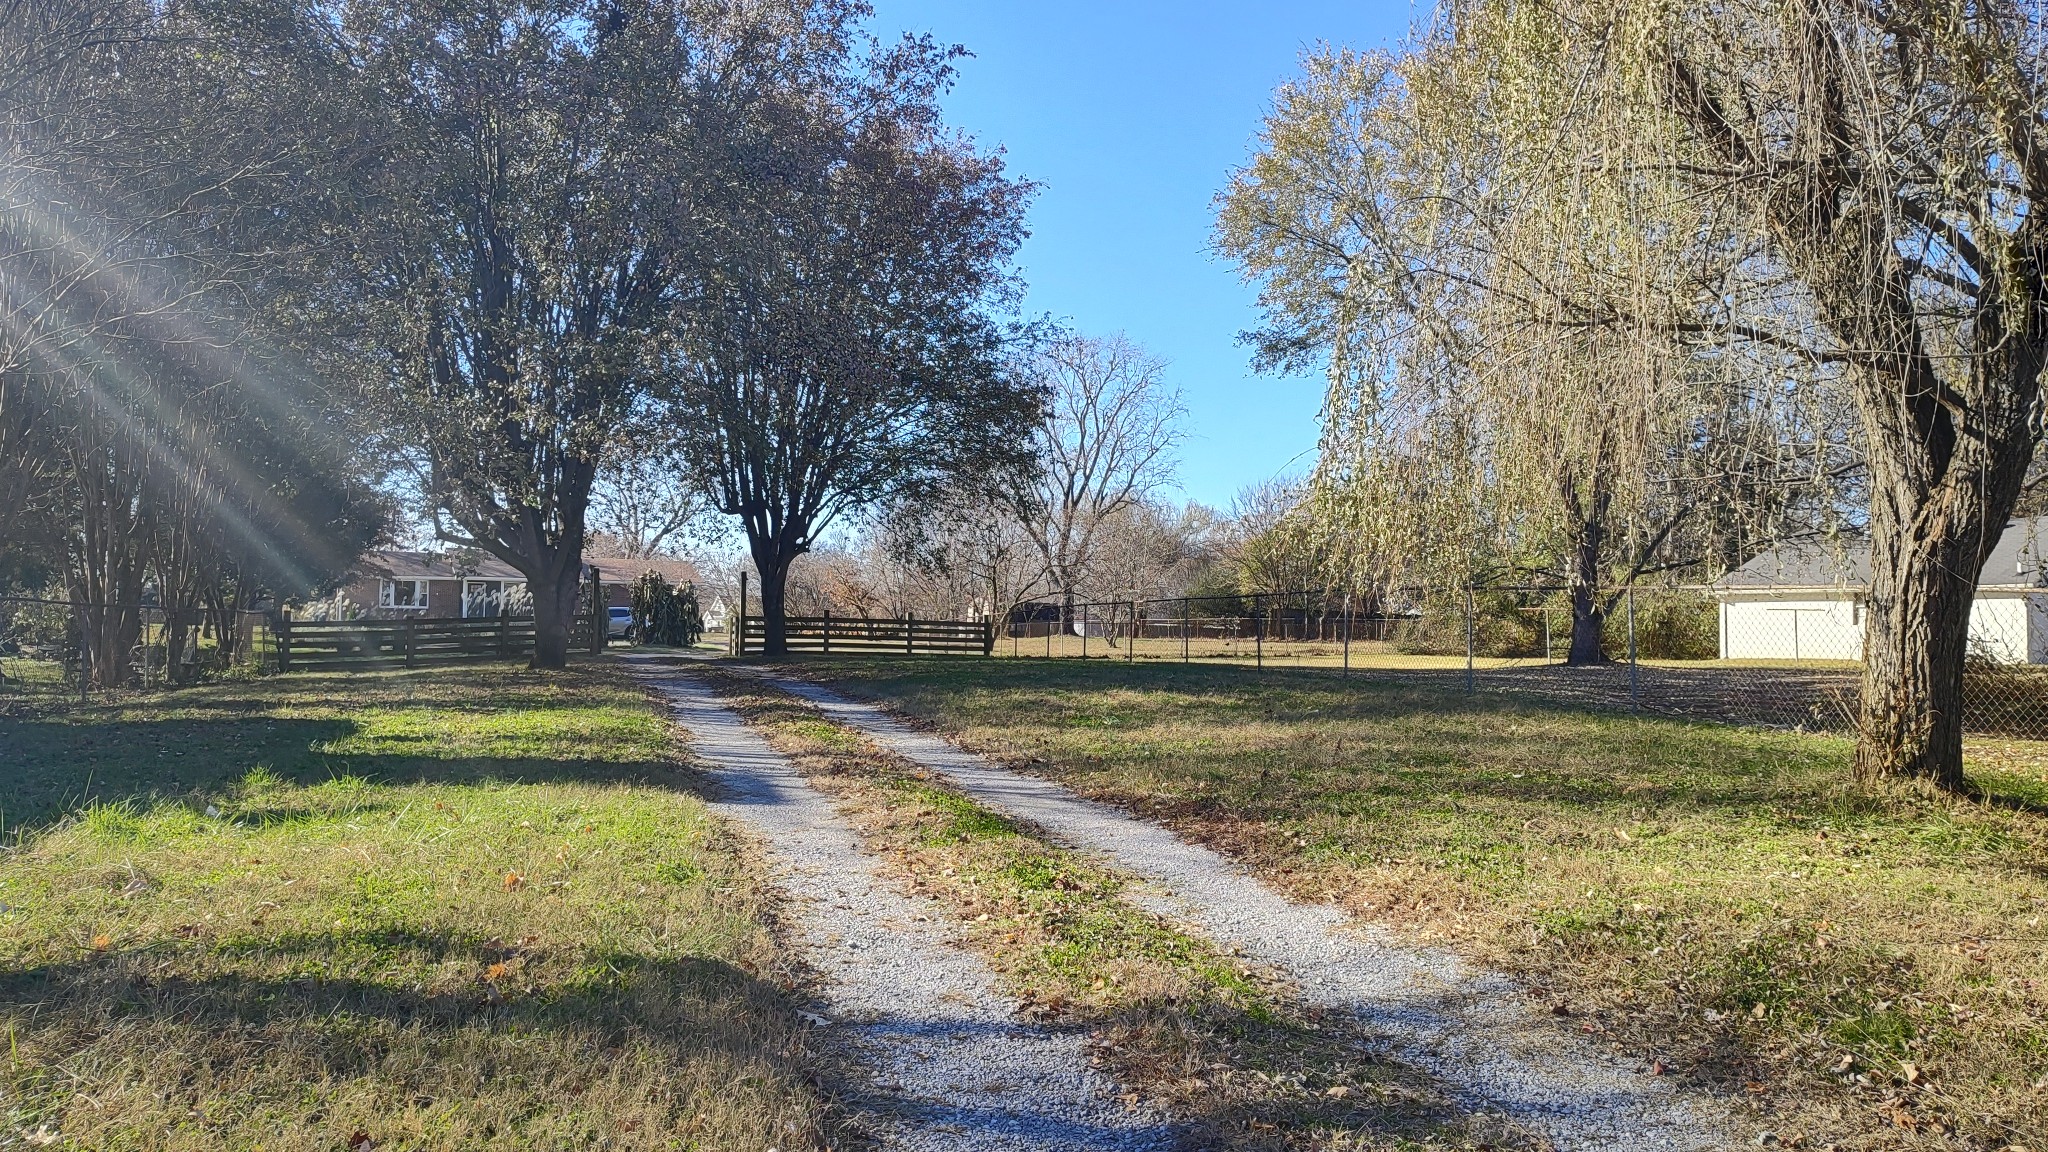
1944, 477
1915, 642
1589, 615
773, 566
554, 595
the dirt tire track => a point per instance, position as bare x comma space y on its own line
945, 1062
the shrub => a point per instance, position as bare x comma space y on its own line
664, 614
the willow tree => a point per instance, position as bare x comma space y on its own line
1512, 335
1869, 183
1886, 163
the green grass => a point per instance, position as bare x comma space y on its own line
1721, 898
472, 908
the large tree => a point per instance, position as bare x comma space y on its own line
150, 437
1871, 177
1518, 378
533, 176
841, 355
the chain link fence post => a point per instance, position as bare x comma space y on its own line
1469, 612
1634, 693
1259, 628
1347, 633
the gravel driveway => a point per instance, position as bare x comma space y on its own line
1474, 1030
945, 1060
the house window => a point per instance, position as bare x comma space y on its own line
492, 597
408, 594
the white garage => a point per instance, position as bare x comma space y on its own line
1805, 602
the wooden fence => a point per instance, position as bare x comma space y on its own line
907, 635
310, 646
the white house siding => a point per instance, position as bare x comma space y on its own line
2011, 627
1791, 629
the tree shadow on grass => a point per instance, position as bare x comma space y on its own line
199, 1034
61, 767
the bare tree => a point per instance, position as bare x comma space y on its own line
1107, 444
645, 497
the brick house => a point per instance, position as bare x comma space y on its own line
399, 584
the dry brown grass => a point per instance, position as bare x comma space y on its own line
1195, 1031
471, 908
1869, 971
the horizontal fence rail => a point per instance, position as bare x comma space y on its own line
329, 645
908, 635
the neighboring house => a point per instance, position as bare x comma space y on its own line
397, 584
716, 614
1806, 601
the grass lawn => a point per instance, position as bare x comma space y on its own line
463, 908
1871, 971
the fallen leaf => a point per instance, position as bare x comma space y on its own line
359, 1141
102, 942
495, 971
514, 881
1657, 1068
1338, 1091
1911, 1072
1757, 1013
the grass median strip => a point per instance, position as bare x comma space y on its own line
1196, 1030
1869, 971
466, 908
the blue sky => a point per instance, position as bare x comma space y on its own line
1131, 115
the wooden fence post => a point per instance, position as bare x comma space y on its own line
988, 636
739, 635
828, 630
284, 641
412, 628
909, 637
504, 632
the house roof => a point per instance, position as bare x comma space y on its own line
627, 569
404, 564
400, 564
2018, 560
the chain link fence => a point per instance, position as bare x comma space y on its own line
40, 647
1786, 657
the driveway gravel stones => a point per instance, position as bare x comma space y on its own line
944, 1059
1471, 1029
